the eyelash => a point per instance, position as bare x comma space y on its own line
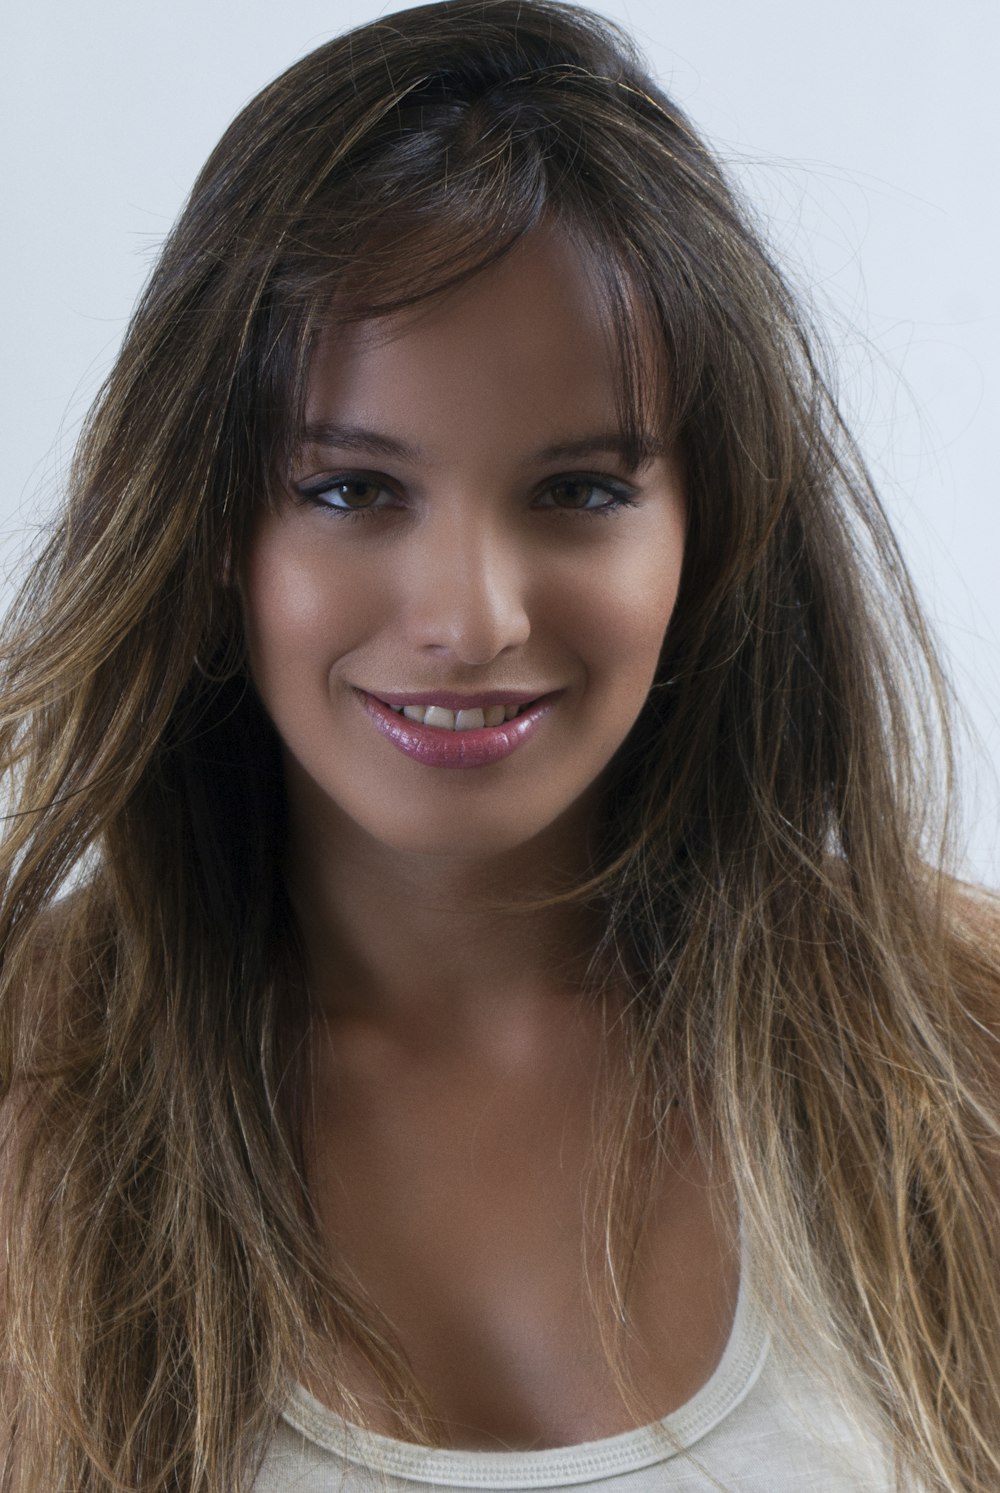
619, 496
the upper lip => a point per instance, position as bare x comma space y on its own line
482, 699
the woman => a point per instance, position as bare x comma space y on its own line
476, 982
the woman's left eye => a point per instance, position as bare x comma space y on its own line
588, 495
344, 494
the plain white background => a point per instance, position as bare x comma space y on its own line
865, 133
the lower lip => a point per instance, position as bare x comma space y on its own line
436, 746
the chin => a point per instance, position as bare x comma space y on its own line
482, 841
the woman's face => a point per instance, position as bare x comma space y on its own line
460, 531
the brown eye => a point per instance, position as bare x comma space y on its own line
344, 494
587, 495
573, 493
356, 492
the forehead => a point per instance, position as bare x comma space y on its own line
524, 347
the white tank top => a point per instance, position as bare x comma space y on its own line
758, 1425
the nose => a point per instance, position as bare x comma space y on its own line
466, 588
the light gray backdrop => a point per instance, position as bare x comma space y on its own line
866, 132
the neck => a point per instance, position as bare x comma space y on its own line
436, 945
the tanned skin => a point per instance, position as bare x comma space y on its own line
454, 1063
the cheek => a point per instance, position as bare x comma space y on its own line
624, 609
301, 608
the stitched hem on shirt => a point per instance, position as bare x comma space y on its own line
560, 1466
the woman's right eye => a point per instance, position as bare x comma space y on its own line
344, 494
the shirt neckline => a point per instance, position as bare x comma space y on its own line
559, 1466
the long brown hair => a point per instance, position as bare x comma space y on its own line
799, 973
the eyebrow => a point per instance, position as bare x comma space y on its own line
377, 443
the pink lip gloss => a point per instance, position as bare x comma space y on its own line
438, 747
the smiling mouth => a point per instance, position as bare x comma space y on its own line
473, 719
465, 736
443, 709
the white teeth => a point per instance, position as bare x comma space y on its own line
437, 715
458, 720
